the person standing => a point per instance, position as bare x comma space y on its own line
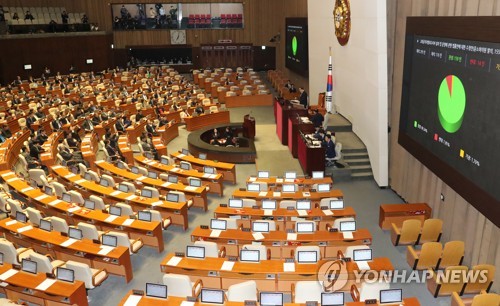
303, 98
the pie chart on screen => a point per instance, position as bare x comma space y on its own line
451, 103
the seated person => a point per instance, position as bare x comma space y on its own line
151, 129
32, 162
35, 149
5, 131
163, 120
120, 127
317, 118
114, 153
319, 134
148, 147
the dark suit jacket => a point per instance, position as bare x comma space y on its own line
55, 125
303, 99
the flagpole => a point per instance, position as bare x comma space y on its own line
329, 85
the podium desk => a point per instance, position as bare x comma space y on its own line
296, 125
276, 181
214, 181
281, 244
227, 169
283, 112
413, 301
283, 217
117, 261
176, 211
249, 126
150, 232
398, 213
195, 123
268, 274
310, 158
315, 197
23, 285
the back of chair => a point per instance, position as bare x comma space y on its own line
99, 203
82, 272
154, 192
453, 254
76, 197
429, 255
272, 224
453, 284
370, 291
89, 231
302, 248
231, 223
288, 203
211, 249
34, 215
9, 252
109, 179
486, 299
431, 230
336, 222
349, 252
35, 175
42, 263
484, 281
245, 291
410, 231
58, 188
263, 251
59, 225
178, 285
130, 186
126, 209
306, 291
15, 206
182, 195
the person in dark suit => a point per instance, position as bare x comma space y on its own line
39, 113
303, 97
30, 119
87, 125
139, 116
329, 147
317, 118
113, 153
148, 147
32, 162
151, 129
35, 149
56, 125
6, 131
120, 128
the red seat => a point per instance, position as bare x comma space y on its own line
235, 16
240, 16
197, 16
222, 16
202, 16
191, 16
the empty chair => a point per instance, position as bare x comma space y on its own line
305, 291
134, 245
453, 254
109, 179
484, 299
213, 109
249, 203
89, 231
11, 255
34, 215
156, 216
336, 222
446, 285
126, 210
288, 203
408, 234
349, 251
15, 206
264, 252
231, 223
93, 176
35, 176
306, 248
23, 163
479, 284
246, 92
182, 198
368, 291
211, 249
154, 192
426, 258
206, 102
99, 203
262, 186
431, 231
76, 197
59, 225
181, 286
45, 263
83, 169
245, 291
59, 189
142, 170
4, 205
91, 277
230, 94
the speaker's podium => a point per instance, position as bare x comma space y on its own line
249, 126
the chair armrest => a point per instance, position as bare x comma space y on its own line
96, 274
328, 226
164, 223
293, 292
268, 254
222, 252
50, 257
456, 300
137, 240
355, 293
395, 234
292, 253
412, 257
23, 251
432, 283
197, 286
340, 254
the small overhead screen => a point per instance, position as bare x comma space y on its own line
21, 217
185, 151
305, 227
290, 175
45, 225
89, 204
288, 188
209, 170
164, 160
262, 227
362, 255
185, 165
109, 240
144, 215
336, 204
217, 224
27, 67
147, 193
195, 251
212, 296
172, 197
194, 182
123, 188
296, 51
391, 296
263, 174
152, 174
115, 210
318, 174
235, 203
347, 226
48, 190
323, 187
202, 156
89, 61
64, 274
66, 197
250, 256
173, 179
332, 298
307, 256
253, 187
271, 299
75, 233
28, 266
303, 205
156, 290
269, 204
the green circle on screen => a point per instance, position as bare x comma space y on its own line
451, 103
294, 45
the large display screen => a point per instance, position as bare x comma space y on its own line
450, 112
296, 50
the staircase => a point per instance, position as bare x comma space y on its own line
355, 157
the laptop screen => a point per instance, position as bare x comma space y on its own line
185, 166
209, 170
75, 233
173, 179
194, 182
123, 188
144, 215
307, 257
164, 161
269, 204
253, 187
263, 174
46, 225
212, 296
195, 251
109, 240
391, 296
262, 227
66, 197
28, 266
146, 193
217, 224
21, 217
64, 274
89, 204
305, 227
290, 175
303, 205
115, 210
156, 290
332, 298
337, 204
323, 187
347, 226
250, 255
271, 299
172, 197
202, 156
235, 203
152, 175
362, 255
318, 174
288, 188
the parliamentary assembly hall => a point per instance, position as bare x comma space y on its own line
249, 152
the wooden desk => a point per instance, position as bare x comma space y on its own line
177, 211
227, 169
276, 181
169, 132
197, 194
279, 244
250, 100
10, 149
50, 146
214, 181
310, 158
315, 197
88, 148
268, 274
398, 213
100, 129
413, 301
295, 125
85, 251
195, 123
135, 130
283, 112
123, 146
58, 294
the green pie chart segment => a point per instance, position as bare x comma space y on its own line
451, 103
294, 45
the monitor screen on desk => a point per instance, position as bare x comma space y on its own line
75, 233
172, 197
290, 175
305, 227
250, 255
173, 179
156, 290
362, 255
89, 204
144, 215
235, 203
1, 258
337, 204
212, 296
288, 188
149, 155
208, 170
185, 165
271, 299
164, 160
45, 225
152, 175
195, 251
307, 256
48, 190
123, 188
269, 204
115, 210
64, 274
21, 217
217, 224
332, 298
263, 174
146, 193
104, 183
323, 187
261, 227
347, 226
318, 174
253, 187
303, 205
66, 197
391, 296
185, 151
28, 266
87, 176
194, 182
120, 165
134, 170
202, 156
109, 240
